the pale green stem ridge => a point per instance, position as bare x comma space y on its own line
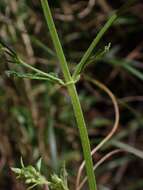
74, 97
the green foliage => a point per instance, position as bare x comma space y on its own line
30, 175
99, 55
33, 177
14, 58
125, 64
57, 183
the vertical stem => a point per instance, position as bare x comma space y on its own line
83, 136
74, 97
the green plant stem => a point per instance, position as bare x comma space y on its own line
101, 33
94, 44
40, 72
74, 97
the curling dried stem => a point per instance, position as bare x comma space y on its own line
114, 129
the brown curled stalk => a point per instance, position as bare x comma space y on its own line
101, 161
122, 148
114, 129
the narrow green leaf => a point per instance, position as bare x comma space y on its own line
126, 6
21, 161
94, 44
7, 49
16, 170
96, 57
100, 35
32, 76
64, 174
14, 58
42, 46
126, 64
134, 71
53, 144
38, 164
128, 148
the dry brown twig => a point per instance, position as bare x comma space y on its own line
132, 99
105, 6
101, 161
87, 10
82, 14
30, 54
135, 53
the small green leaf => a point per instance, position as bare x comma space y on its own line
38, 165
13, 57
34, 76
16, 170
100, 54
21, 161
64, 174
28, 181
30, 175
81, 66
43, 46
25, 75
7, 49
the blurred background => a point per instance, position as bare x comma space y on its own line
36, 118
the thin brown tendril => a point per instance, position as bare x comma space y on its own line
114, 129
101, 161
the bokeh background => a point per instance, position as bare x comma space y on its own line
36, 118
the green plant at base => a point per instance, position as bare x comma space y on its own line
33, 177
